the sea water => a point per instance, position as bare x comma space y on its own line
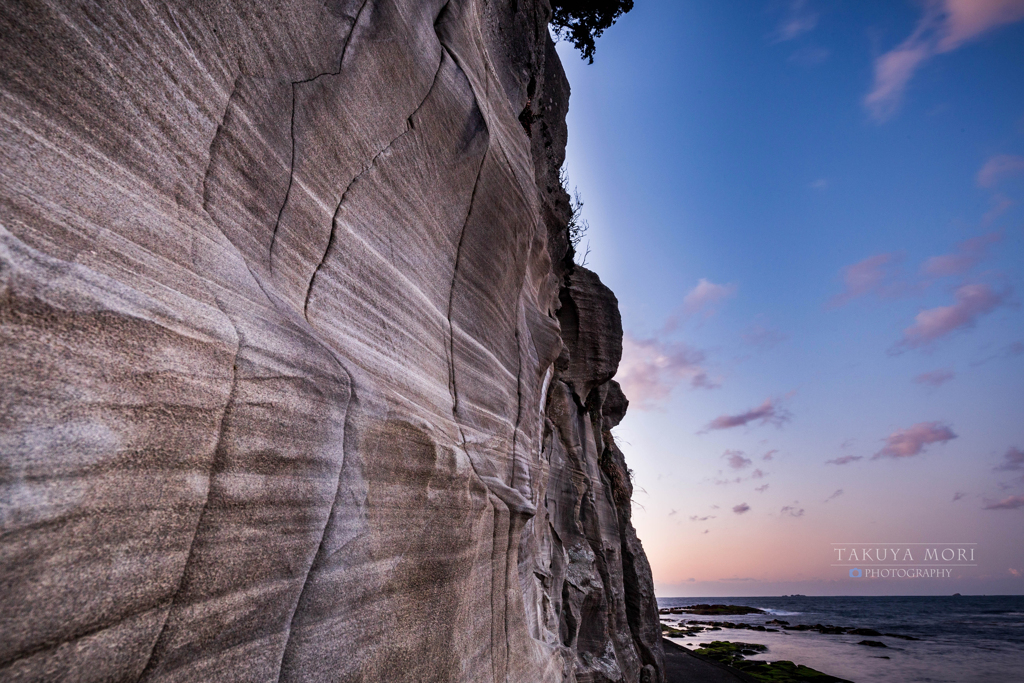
963, 639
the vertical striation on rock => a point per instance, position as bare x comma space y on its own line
299, 380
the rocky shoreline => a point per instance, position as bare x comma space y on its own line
733, 653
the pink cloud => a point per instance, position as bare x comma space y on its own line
736, 459
970, 302
650, 369
799, 20
757, 474
769, 455
741, 508
762, 488
1000, 204
703, 299
792, 511
904, 443
893, 71
968, 254
835, 495
998, 167
958, 495
696, 518
945, 26
1011, 503
967, 19
844, 460
766, 413
935, 378
873, 275
1014, 460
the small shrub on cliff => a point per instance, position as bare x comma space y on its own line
581, 22
578, 225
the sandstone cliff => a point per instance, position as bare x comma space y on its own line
299, 381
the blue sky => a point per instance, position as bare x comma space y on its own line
812, 214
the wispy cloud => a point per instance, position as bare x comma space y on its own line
791, 511
835, 495
1013, 461
1011, 503
736, 459
874, 275
998, 167
769, 455
766, 413
934, 378
1000, 204
945, 26
704, 300
967, 255
696, 518
1011, 350
673, 512
762, 336
904, 443
970, 302
799, 19
757, 474
762, 488
650, 369
958, 495
741, 508
844, 460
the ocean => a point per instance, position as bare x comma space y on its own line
963, 639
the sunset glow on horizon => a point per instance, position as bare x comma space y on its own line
812, 214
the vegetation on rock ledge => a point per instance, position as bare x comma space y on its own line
783, 671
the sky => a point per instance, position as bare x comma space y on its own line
812, 214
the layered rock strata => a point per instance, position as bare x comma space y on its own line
299, 380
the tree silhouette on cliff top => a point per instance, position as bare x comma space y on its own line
583, 21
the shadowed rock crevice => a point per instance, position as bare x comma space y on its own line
304, 384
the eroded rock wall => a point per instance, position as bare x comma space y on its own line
283, 294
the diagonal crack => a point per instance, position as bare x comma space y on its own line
409, 127
199, 522
294, 84
291, 179
213, 142
330, 513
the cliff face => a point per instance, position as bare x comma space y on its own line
298, 381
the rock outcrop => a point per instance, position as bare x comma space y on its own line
299, 380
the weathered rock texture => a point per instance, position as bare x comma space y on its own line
283, 297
